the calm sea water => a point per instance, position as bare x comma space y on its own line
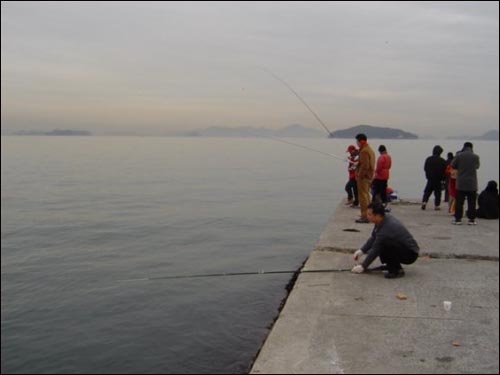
84, 220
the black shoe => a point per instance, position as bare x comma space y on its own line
362, 221
423, 206
395, 274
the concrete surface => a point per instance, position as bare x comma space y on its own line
432, 230
339, 322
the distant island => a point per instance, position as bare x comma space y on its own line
491, 135
373, 132
63, 132
297, 130
294, 130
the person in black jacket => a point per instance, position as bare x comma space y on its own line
434, 167
488, 202
390, 240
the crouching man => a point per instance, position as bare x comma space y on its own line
390, 240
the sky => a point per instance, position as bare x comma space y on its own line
431, 68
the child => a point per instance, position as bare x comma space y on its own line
351, 187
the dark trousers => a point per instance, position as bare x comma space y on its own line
393, 256
352, 190
471, 204
379, 190
445, 185
432, 186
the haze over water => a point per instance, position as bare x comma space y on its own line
86, 219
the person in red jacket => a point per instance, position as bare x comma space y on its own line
451, 188
351, 187
379, 183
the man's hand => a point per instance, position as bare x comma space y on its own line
357, 254
358, 269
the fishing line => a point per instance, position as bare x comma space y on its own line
301, 99
307, 148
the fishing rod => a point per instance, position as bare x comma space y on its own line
225, 274
310, 110
261, 272
300, 98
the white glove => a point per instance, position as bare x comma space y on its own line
358, 269
357, 254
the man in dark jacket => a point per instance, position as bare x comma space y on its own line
434, 167
466, 163
390, 240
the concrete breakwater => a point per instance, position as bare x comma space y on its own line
339, 322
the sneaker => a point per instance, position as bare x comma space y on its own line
437, 208
456, 222
423, 206
472, 222
395, 274
355, 205
362, 220
349, 202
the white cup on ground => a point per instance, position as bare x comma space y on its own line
447, 305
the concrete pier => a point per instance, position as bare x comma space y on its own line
339, 322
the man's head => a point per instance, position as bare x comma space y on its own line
361, 139
467, 145
382, 149
376, 213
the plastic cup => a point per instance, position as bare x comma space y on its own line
447, 305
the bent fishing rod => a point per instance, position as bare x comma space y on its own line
310, 110
300, 98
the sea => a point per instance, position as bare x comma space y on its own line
95, 231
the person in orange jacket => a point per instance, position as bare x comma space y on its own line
364, 175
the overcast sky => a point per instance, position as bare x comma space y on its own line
429, 67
